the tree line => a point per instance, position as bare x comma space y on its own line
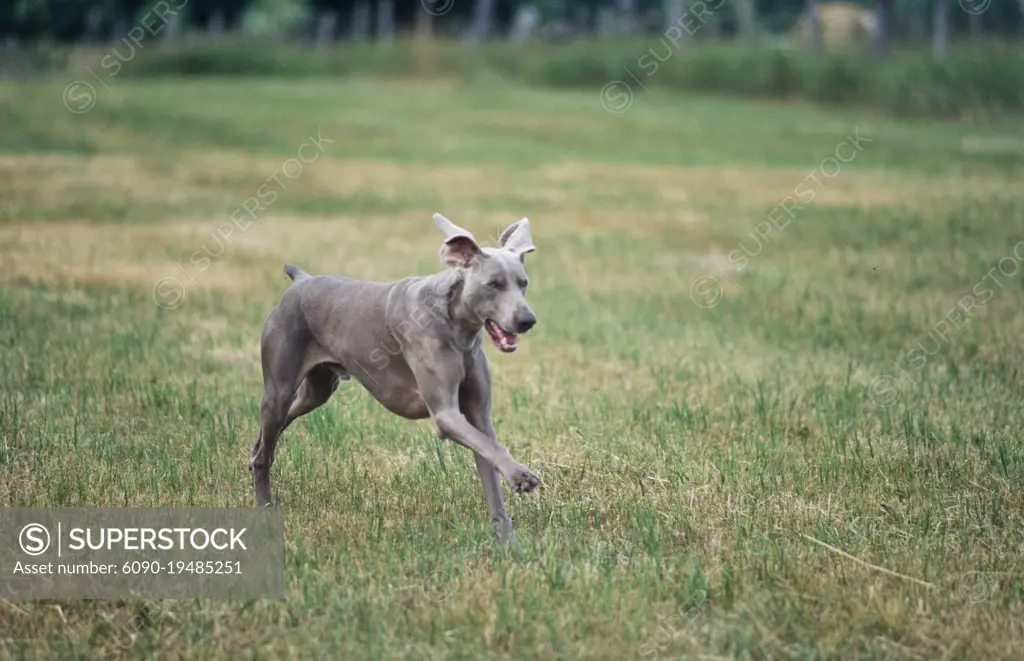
72, 21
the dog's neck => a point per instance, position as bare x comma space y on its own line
466, 324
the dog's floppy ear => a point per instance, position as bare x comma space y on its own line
516, 238
460, 248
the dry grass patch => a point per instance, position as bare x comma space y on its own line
113, 255
83, 253
627, 221
52, 179
218, 255
360, 176
748, 187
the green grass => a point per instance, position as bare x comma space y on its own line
750, 479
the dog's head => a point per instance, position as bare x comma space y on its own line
494, 282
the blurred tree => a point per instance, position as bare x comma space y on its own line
162, 18
483, 20
552, 9
326, 28
675, 15
975, 21
360, 30
385, 20
71, 20
883, 18
814, 23
52, 19
914, 13
746, 16
424, 23
940, 33
275, 18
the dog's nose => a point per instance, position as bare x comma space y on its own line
526, 322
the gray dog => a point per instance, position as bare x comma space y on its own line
325, 327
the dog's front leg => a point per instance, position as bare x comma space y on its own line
475, 402
438, 380
500, 521
451, 425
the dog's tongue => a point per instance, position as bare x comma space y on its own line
504, 341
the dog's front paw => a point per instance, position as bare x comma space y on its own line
523, 480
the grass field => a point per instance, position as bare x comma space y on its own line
763, 435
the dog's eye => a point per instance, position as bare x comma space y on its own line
494, 284
523, 284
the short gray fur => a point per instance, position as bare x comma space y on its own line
327, 329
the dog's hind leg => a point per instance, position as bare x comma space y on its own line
273, 420
282, 353
316, 388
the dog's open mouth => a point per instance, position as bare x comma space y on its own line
504, 340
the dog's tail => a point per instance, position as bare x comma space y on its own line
295, 273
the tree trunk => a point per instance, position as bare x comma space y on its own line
813, 27
940, 34
674, 13
917, 25
385, 21
581, 19
714, 29
883, 17
360, 20
215, 27
120, 28
325, 27
172, 31
483, 19
746, 16
975, 23
524, 23
627, 16
424, 23
605, 22
93, 23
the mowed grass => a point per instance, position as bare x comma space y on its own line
815, 454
